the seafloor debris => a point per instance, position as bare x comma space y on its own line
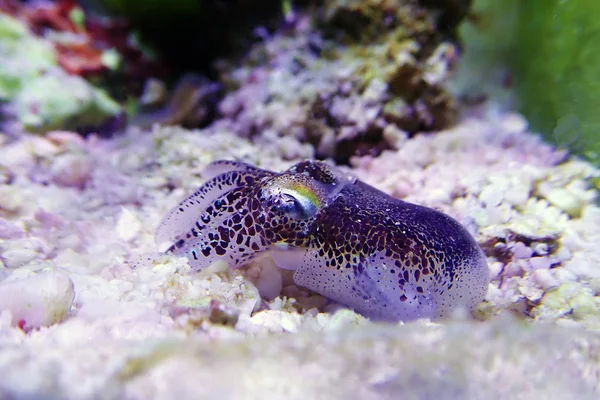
343, 79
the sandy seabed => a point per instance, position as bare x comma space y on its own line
89, 308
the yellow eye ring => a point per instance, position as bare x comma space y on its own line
302, 191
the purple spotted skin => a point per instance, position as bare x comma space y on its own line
385, 258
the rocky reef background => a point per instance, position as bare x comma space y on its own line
101, 137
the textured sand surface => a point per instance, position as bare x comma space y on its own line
90, 309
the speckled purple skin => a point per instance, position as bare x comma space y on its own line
385, 258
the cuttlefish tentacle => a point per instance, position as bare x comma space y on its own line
224, 230
224, 177
348, 241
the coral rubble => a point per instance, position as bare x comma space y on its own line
343, 79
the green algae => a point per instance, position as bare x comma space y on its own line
16, 46
557, 68
487, 39
61, 100
546, 51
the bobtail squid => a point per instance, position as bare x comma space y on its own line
383, 257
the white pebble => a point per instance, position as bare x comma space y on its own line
513, 268
541, 248
563, 254
277, 321
18, 257
394, 136
514, 123
565, 200
544, 278
564, 275
520, 250
37, 300
11, 198
71, 170
20, 252
128, 225
540, 263
495, 269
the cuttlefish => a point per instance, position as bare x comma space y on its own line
346, 240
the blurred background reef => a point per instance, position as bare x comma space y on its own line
367, 72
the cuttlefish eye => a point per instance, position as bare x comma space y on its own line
297, 203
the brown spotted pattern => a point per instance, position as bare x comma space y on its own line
385, 258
